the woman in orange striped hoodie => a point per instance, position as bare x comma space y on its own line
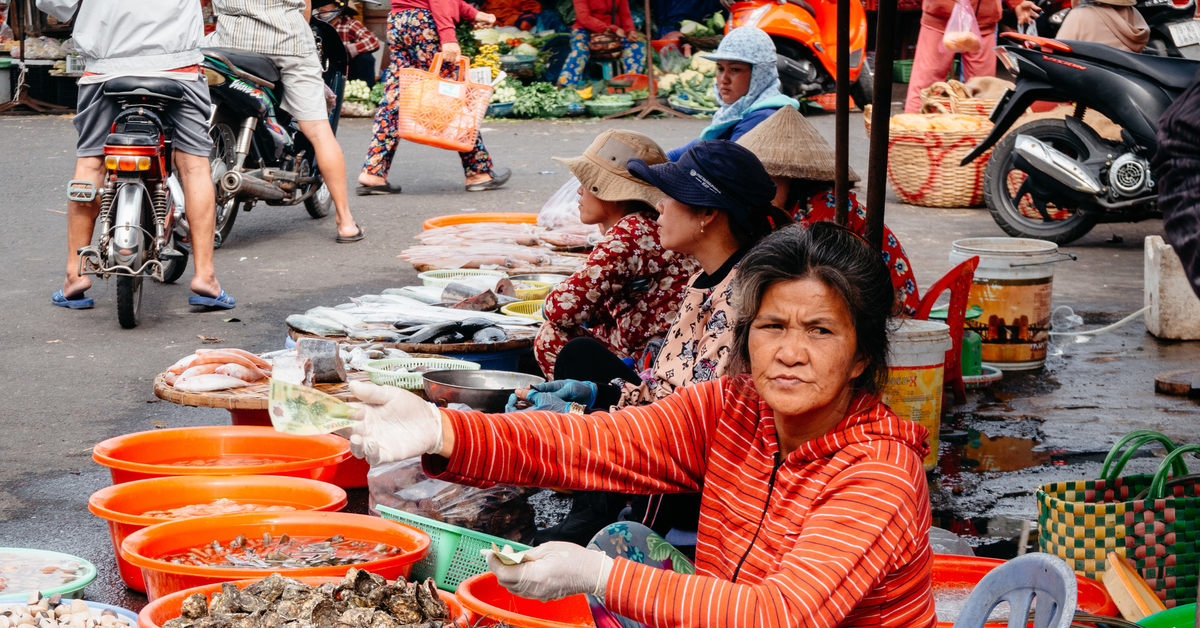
814, 508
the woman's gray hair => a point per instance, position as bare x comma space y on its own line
841, 260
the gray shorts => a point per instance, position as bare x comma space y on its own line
303, 90
95, 115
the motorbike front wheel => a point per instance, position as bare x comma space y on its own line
129, 301
1011, 200
863, 90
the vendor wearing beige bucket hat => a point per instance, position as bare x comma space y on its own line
801, 163
629, 289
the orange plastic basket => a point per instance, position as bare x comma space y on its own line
440, 112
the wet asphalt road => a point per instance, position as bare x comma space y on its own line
74, 378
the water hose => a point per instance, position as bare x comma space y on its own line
1093, 332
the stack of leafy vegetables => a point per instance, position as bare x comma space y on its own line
540, 100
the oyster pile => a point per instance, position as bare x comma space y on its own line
360, 600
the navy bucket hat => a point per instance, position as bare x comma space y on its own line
719, 174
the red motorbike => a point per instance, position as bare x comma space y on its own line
805, 36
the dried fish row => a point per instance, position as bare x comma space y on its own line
284, 552
360, 599
53, 612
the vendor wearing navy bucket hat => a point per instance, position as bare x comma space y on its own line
717, 181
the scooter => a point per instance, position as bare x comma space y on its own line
140, 199
259, 153
1174, 30
805, 36
1056, 179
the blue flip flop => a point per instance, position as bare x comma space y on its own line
78, 303
220, 302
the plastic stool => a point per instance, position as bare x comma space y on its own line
1018, 582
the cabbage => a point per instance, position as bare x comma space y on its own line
525, 49
488, 36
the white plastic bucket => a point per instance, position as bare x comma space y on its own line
1013, 285
916, 373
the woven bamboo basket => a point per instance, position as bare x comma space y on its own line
923, 166
941, 98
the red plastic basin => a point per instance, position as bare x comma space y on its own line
351, 472
145, 547
166, 608
122, 505
160, 453
964, 572
488, 603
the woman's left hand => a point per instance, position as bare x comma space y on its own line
555, 570
484, 20
1026, 12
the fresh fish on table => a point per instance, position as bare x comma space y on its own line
344, 317
429, 295
382, 334
315, 326
489, 335
209, 382
427, 333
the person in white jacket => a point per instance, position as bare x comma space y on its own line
160, 39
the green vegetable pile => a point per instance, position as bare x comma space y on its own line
357, 91
539, 100
506, 91
714, 25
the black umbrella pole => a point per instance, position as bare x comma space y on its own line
885, 46
841, 144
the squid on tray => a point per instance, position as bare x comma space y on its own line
207, 370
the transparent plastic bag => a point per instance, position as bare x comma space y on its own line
499, 510
671, 60
562, 208
962, 30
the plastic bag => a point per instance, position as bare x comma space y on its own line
962, 30
499, 510
562, 208
671, 60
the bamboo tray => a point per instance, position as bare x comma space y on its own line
525, 269
252, 397
523, 340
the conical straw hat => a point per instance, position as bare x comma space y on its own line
789, 146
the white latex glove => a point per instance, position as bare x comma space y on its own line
555, 570
393, 424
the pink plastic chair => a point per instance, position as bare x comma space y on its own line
958, 282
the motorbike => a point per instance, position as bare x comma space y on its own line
1174, 30
141, 201
259, 153
805, 36
1055, 179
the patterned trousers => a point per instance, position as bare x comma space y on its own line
633, 57
635, 542
412, 43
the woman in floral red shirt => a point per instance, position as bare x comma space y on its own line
628, 291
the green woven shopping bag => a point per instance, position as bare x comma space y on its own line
1151, 519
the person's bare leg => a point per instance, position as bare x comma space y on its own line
81, 221
332, 163
200, 206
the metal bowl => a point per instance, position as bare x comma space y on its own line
550, 278
486, 391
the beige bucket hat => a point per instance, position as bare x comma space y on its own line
789, 146
601, 168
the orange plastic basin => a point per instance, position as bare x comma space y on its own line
122, 505
964, 572
462, 219
166, 608
159, 453
640, 81
144, 547
351, 473
486, 602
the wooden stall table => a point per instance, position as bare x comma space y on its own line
248, 406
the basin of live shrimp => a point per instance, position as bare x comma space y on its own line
220, 450
184, 553
131, 506
168, 607
954, 577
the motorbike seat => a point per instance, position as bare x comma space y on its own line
131, 139
1170, 72
140, 87
251, 63
803, 4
